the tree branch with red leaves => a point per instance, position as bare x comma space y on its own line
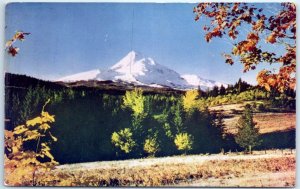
227, 19
19, 35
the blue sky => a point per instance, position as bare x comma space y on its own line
71, 38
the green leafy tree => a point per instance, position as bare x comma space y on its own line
178, 117
124, 140
151, 146
183, 141
135, 101
248, 135
189, 100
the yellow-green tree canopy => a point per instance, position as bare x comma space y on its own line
151, 146
135, 101
189, 100
123, 139
183, 141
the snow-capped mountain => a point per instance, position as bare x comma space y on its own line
135, 68
138, 69
88, 75
195, 80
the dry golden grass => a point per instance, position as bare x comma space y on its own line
272, 122
266, 122
196, 170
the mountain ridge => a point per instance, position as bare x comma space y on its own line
138, 69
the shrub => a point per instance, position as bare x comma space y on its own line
123, 139
183, 141
22, 165
151, 146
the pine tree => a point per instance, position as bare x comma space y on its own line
221, 125
222, 90
215, 91
247, 136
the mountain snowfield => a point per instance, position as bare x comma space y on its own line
89, 75
140, 70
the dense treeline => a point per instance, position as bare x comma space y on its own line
93, 124
242, 91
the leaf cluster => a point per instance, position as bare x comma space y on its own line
228, 19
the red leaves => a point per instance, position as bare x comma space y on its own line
215, 33
20, 36
248, 45
232, 34
259, 25
13, 50
280, 81
227, 18
9, 44
235, 7
228, 59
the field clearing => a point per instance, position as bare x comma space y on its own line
275, 168
267, 122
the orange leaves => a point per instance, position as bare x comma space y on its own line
13, 51
246, 46
280, 27
232, 34
259, 25
280, 81
271, 38
215, 33
228, 59
253, 37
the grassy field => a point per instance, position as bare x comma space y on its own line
262, 168
267, 122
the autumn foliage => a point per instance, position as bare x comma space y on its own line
22, 163
238, 20
13, 51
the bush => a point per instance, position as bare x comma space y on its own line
151, 146
123, 139
183, 141
22, 164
